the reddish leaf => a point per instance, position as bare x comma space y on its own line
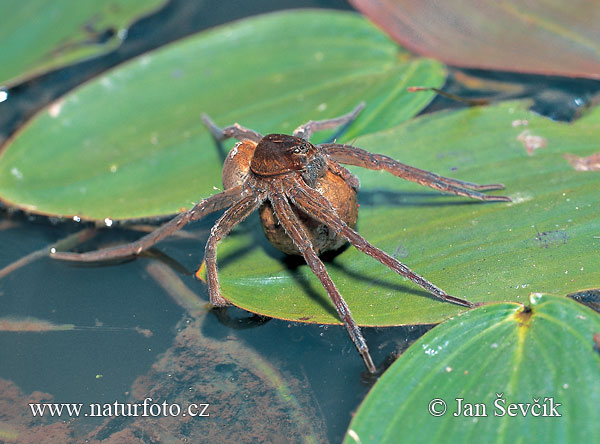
538, 36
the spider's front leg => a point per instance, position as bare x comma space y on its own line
201, 209
319, 208
296, 231
230, 218
306, 130
352, 155
236, 131
344, 173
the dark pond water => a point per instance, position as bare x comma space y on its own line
265, 381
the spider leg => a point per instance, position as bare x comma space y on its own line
236, 131
298, 234
319, 208
356, 156
201, 209
230, 218
306, 130
344, 173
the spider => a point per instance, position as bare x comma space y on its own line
307, 203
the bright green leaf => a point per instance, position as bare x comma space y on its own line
131, 144
493, 354
39, 35
546, 240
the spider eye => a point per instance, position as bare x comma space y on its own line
301, 149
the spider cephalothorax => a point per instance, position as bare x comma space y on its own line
279, 154
307, 205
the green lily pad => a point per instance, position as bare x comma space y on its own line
495, 356
546, 240
131, 144
38, 35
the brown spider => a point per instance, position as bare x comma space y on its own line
307, 202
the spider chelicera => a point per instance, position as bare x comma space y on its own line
307, 203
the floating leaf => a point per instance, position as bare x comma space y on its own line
544, 241
131, 144
494, 355
37, 35
539, 36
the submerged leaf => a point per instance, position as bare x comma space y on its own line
31, 325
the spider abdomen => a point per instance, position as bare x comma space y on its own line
237, 164
342, 198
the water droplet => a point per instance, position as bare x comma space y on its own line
106, 83
55, 109
15, 172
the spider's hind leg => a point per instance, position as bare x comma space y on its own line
306, 130
298, 234
236, 131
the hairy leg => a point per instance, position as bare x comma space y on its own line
233, 216
351, 155
236, 131
344, 173
306, 130
201, 209
319, 208
298, 234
